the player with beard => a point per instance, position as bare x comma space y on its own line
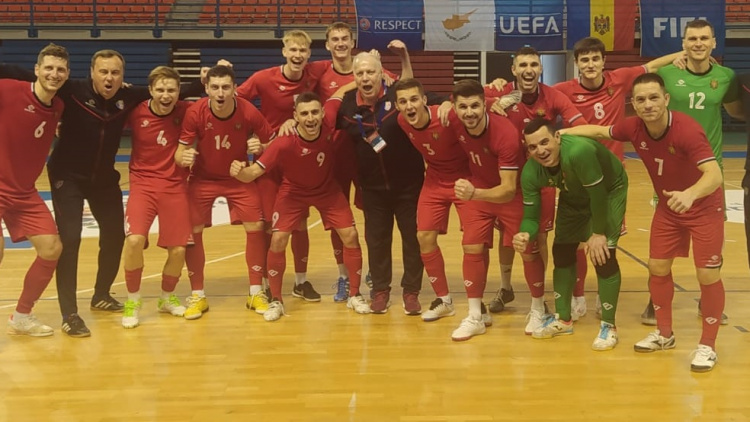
29, 114
304, 161
220, 126
158, 187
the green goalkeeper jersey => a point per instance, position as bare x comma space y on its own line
586, 175
701, 96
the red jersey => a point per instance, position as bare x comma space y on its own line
440, 148
277, 93
306, 166
497, 148
155, 140
331, 80
672, 161
605, 105
27, 128
221, 141
549, 103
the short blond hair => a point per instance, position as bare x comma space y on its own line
162, 72
298, 36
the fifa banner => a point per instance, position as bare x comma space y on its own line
381, 21
536, 23
459, 25
663, 24
612, 21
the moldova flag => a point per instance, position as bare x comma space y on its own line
612, 21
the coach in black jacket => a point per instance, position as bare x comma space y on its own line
82, 167
390, 175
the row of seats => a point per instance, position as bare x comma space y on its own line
69, 11
269, 15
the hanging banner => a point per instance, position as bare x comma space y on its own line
379, 22
537, 23
459, 25
612, 21
663, 24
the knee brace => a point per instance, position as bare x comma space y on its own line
610, 267
564, 254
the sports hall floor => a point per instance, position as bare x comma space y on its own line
322, 362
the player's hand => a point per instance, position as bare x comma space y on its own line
679, 201
254, 146
398, 48
236, 167
497, 108
597, 249
443, 112
126, 84
388, 80
520, 242
224, 62
375, 53
188, 157
463, 189
681, 62
204, 74
497, 84
288, 128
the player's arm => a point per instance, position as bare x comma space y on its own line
501, 193
734, 109
659, 62
399, 48
732, 99
344, 89
589, 131
10, 71
532, 198
711, 179
565, 108
185, 154
244, 173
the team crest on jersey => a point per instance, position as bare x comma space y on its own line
714, 84
145, 123
601, 24
671, 149
120, 104
486, 150
610, 91
540, 112
177, 121
387, 106
30, 108
435, 135
238, 126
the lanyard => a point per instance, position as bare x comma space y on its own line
378, 119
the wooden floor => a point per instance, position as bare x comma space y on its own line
324, 363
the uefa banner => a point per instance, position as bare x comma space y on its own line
380, 21
459, 25
611, 21
663, 24
536, 23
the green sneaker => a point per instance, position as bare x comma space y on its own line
171, 305
130, 313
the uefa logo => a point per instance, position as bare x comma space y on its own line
364, 24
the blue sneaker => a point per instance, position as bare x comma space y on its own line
342, 290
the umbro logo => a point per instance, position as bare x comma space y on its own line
432, 279
557, 295
643, 146
538, 284
580, 99
282, 88
30, 108
91, 103
680, 82
711, 320
257, 268
145, 123
607, 306
305, 151
334, 84
468, 283
273, 273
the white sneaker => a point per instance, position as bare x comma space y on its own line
653, 342
607, 338
28, 325
704, 359
171, 305
130, 313
469, 328
274, 312
438, 309
577, 307
553, 326
534, 321
358, 304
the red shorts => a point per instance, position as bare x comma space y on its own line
671, 234
268, 189
434, 205
171, 207
242, 198
291, 209
26, 216
547, 214
479, 217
